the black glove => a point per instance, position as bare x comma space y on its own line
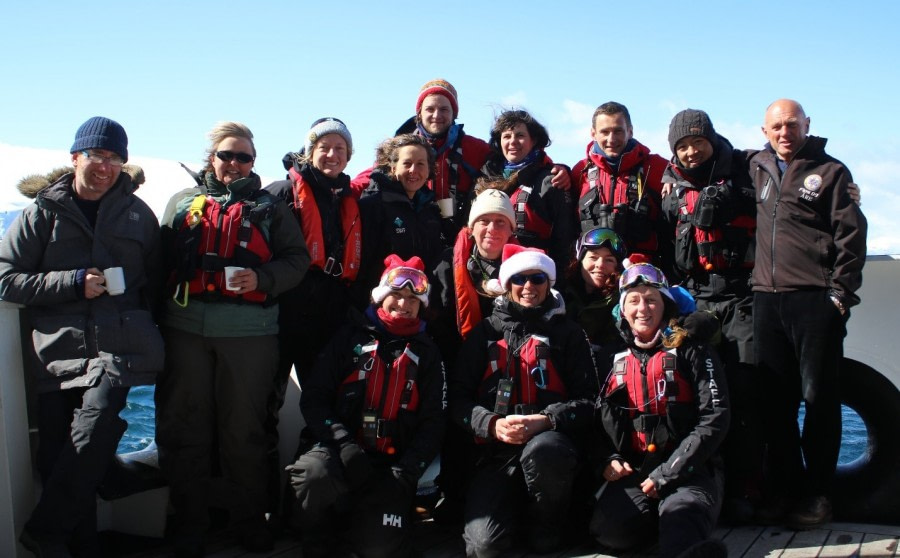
701, 326
357, 468
407, 480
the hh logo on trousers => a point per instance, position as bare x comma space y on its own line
391, 520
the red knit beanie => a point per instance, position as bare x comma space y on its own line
438, 87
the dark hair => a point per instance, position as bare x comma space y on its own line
611, 108
386, 154
509, 119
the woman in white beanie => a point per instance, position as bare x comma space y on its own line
460, 300
523, 386
374, 409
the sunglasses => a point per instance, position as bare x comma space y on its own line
598, 238
520, 279
228, 156
642, 273
400, 277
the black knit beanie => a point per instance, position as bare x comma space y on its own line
101, 133
691, 122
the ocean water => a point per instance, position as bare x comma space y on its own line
139, 414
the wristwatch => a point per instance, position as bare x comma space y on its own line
840, 305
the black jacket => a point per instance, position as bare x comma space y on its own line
472, 396
328, 414
395, 224
734, 217
697, 431
809, 232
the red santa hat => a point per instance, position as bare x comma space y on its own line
517, 259
399, 274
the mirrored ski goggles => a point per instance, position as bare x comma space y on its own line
597, 238
400, 277
520, 279
229, 156
642, 273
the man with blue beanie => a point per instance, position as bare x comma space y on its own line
91, 343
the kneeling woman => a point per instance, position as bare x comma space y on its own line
522, 386
374, 408
662, 414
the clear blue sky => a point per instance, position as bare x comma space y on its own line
169, 70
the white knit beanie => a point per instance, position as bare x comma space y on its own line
324, 126
517, 259
492, 201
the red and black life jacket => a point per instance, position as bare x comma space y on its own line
650, 387
212, 236
390, 388
324, 257
529, 223
530, 368
626, 210
703, 241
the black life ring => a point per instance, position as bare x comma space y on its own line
868, 489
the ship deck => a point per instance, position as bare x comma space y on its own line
435, 541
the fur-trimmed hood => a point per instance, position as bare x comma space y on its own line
32, 184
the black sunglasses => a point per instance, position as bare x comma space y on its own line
241, 157
536, 279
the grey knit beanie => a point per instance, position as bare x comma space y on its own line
324, 126
101, 133
691, 122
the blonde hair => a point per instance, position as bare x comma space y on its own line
676, 336
223, 131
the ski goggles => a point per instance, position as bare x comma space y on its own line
599, 238
229, 156
520, 279
642, 273
400, 277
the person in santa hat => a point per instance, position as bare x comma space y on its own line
374, 407
523, 386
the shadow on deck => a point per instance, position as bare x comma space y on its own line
436, 541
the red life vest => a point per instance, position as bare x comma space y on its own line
311, 222
623, 205
528, 221
390, 387
219, 237
716, 250
651, 387
531, 369
468, 307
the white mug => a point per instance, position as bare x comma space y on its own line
115, 280
229, 274
447, 207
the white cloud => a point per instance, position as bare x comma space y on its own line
515, 100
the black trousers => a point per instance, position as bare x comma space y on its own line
372, 521
743, 448
211, 409
80, 430
524, 491
625, 518
799, 346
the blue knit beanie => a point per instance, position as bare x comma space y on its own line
101, 133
